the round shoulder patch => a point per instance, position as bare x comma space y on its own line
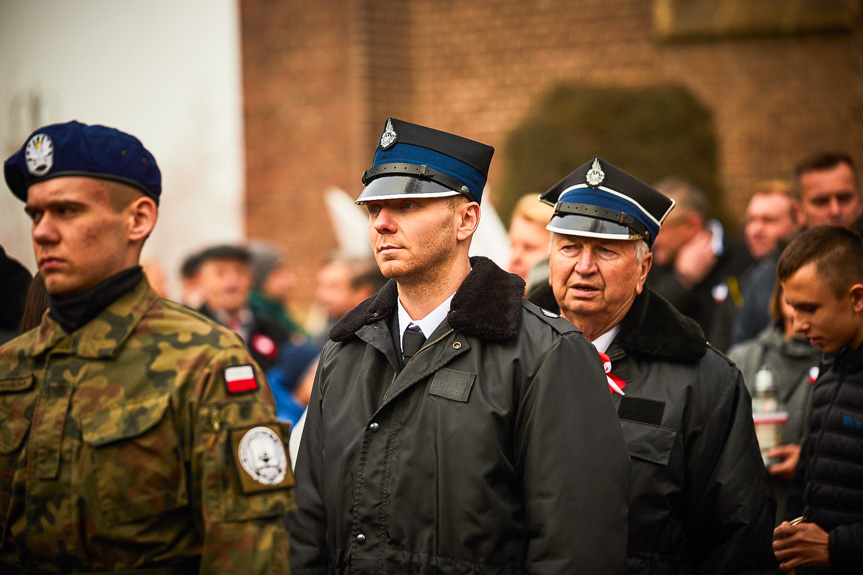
262, 455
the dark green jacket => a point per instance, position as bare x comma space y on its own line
495, 450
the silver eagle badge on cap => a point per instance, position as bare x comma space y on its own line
595, 175
39, 154
389, 137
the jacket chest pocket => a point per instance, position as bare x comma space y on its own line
14, 426
648, 442
131, 462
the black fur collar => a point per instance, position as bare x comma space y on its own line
487, 305
652, 327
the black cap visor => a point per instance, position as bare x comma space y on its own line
399, 187
578, 225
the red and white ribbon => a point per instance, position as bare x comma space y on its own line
615, 384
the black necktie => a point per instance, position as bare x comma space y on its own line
412, 340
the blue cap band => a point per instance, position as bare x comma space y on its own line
455, 169
611, 201
455, 165
601, 200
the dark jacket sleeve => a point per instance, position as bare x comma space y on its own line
732, 505
307, 524
794, 503
663, 280
846, 547
575, 465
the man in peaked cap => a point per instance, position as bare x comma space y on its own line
226, 279
132, 427
445, 433
699, 499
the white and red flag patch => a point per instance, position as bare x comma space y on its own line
240, 378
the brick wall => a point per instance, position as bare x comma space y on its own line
320, 79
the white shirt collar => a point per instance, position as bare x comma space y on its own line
429, 323
602, 342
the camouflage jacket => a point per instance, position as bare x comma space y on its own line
145, 438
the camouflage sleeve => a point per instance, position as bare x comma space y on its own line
241, 474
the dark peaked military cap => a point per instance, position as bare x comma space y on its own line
601, 200
224, 252
76, 149
415, 161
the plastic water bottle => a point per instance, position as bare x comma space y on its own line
768, 412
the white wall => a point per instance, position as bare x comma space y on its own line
165, 71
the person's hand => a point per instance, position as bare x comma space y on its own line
799, 545
695, 259
788, 456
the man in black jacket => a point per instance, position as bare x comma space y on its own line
821, 272
226, 278
14, 280
699, 497
697, 267
491, 446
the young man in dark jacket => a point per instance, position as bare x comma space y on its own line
821, 272
699, 497
491, 446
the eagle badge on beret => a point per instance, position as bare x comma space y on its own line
595, 175
39, 154
389, 137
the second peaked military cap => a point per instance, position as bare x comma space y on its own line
420, 162
602, 201
76, 149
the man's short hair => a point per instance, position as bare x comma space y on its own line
771, 187
121, 195
686, 195
836, 251
823, 161
641, 250
530, 208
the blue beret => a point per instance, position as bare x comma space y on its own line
76, 149
601, 200
415, 161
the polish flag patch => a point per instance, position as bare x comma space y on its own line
240, 378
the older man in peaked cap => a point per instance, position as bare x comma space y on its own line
136, 436
453, 428
699, 499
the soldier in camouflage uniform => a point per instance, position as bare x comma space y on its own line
136, 436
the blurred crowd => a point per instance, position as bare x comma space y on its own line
704, 295
727, 283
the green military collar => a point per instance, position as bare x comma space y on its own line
102, 336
